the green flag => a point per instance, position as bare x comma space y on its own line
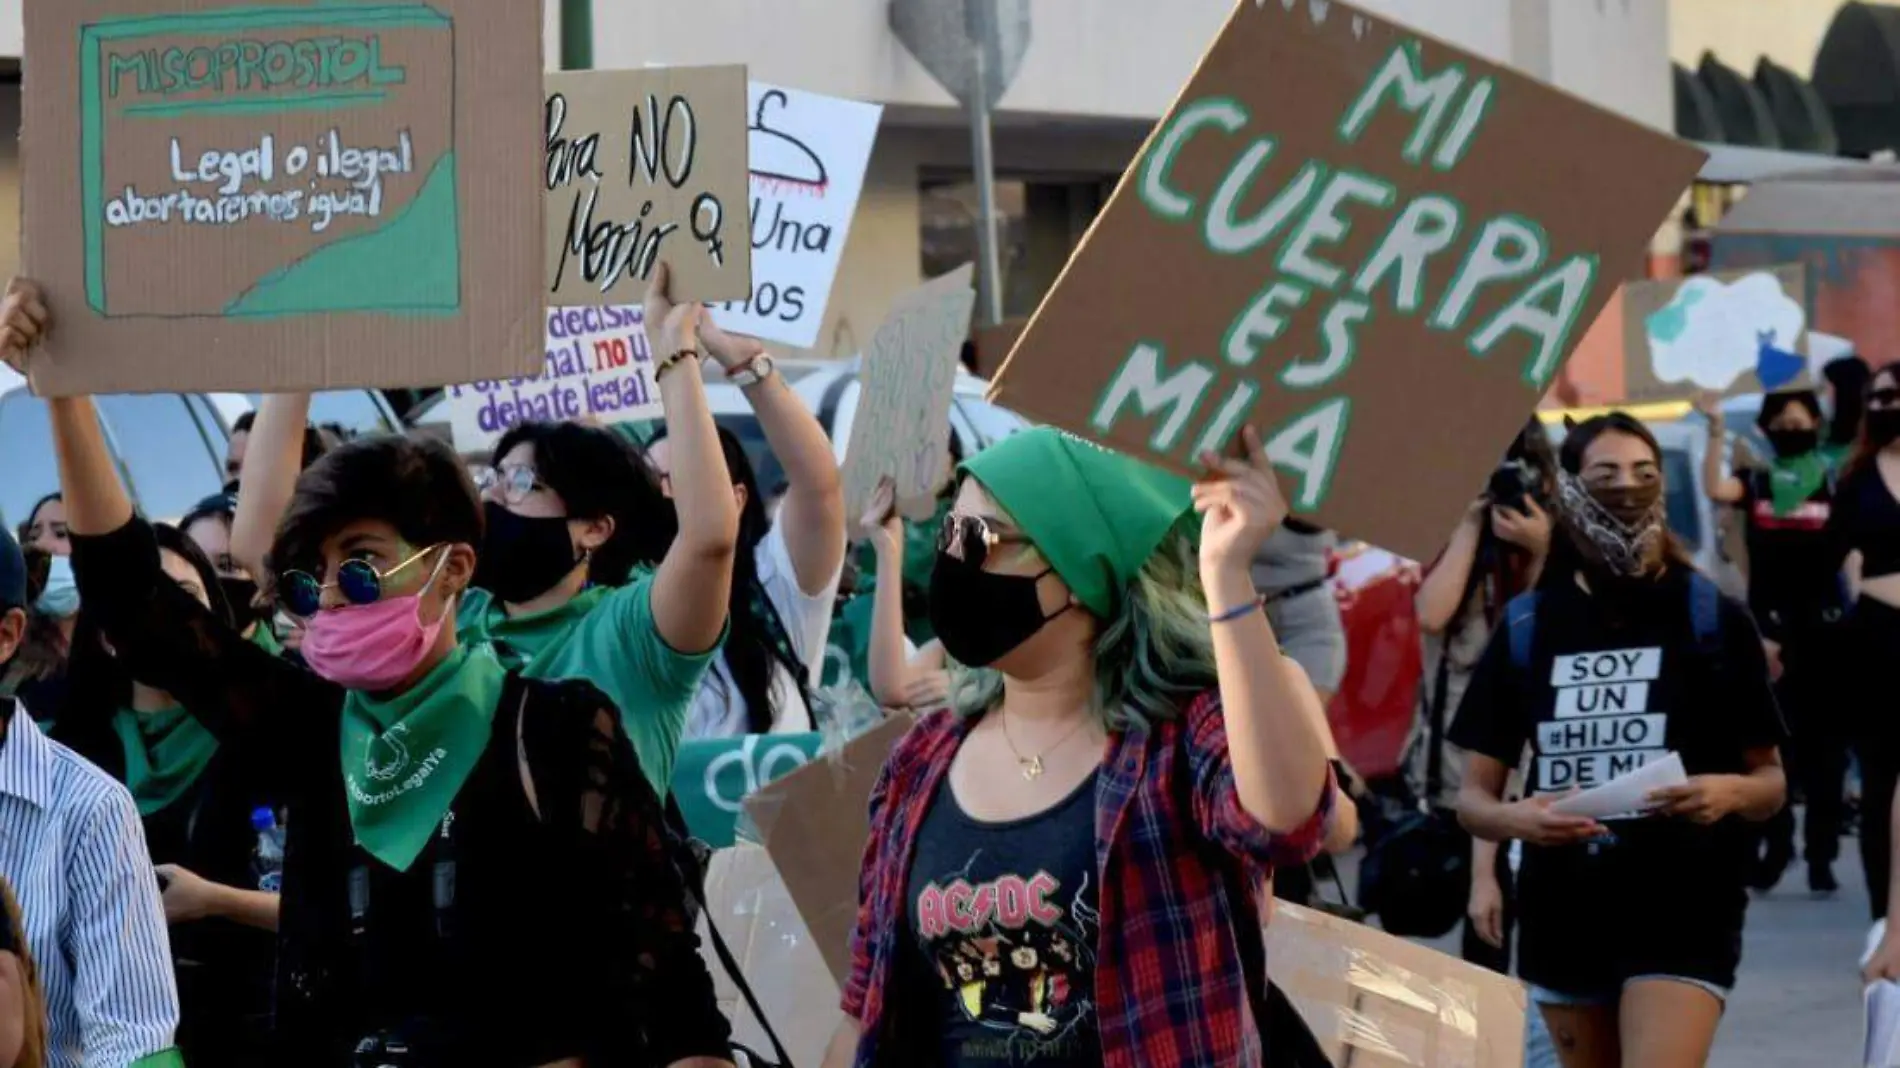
713, 775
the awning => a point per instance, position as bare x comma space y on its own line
1741, 165
1801, 117
1696, 117
1858, 74
1746, 119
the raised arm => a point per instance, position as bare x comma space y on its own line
898, 680
1722, 489
1278, 749
1444, 585
812, 513
694, 581
272, 463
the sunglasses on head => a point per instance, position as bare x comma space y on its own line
358, 581
515, 481
971, 539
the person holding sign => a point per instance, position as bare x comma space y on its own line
786, 570
419, 921
1121, 681
1630, 928
1798, 599
197, 801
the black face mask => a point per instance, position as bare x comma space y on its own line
241, 595
523, 557
1883, 426
981, 616
1791, 443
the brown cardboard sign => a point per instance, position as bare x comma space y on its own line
814, 823
1376, 1001
273, 195
1360, 240
906, 380
644, 166
1730, 332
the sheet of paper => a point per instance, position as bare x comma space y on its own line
1881, 1044
1625, 796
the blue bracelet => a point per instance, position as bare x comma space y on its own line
1242, 612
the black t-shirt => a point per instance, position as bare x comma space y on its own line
1003, 924
1794, 565
1598, 700
1867, 520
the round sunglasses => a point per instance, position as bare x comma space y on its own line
358, 581
515, 481
971, 539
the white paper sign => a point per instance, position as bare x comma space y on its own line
1626, 795
808, 155
598, 368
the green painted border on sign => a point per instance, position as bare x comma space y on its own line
92, 108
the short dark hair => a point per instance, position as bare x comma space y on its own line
414, 483
217, 506
1773, 404
599, 474
313, 444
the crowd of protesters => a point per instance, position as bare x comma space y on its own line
366, 761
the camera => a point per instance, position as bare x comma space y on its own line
1513, 483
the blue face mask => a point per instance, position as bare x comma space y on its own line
60, 599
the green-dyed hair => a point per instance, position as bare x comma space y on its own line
1154, 657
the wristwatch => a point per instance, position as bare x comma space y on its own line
752, 372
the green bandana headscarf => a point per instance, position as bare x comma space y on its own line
1095, 515
266, 639
405, 759
1793, 480
165, 752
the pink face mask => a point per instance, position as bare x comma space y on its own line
371, 648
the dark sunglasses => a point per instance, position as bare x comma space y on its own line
1885, 396
358, 580
971, 539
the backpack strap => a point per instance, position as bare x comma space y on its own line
1520, 621
1705, 612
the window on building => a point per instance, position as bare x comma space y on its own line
1039, 223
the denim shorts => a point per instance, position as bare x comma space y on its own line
1546, 996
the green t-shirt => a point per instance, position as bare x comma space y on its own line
606, 636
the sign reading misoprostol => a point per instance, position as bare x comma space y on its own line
272, 195
1377, 249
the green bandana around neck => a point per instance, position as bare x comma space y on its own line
1095, 515
405, 759
165, 753
1792, 481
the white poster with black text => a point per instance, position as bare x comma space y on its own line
808, 156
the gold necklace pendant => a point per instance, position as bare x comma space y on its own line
1032, 767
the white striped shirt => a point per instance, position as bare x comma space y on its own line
72, 845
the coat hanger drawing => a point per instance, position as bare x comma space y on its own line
777, 155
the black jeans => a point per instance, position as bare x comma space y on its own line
1871, 647
1810, 692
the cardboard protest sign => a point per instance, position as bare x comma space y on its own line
225, 195
643, 166
905, 382
1377, 1001
1730, 332
807, 153
814, 823
747, 899
596, 367
712, 776
1362, 241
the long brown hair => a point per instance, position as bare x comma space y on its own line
33, 1007
1864, 448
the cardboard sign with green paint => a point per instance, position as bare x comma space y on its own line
228, 195
713, 776
1376, 249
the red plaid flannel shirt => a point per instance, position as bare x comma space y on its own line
1170, 985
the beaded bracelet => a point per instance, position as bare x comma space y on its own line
660, 369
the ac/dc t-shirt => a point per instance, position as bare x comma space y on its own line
1003, 921
1600, 699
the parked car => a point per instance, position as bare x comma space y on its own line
170, 447
975, 423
